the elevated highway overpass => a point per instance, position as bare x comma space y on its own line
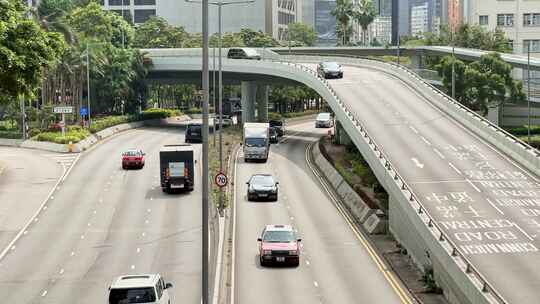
464, 194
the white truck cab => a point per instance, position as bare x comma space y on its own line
140, 288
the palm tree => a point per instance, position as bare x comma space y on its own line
343, 13
364, 14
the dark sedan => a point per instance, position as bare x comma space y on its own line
330, 70
262, 186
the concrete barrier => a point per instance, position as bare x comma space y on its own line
354, 203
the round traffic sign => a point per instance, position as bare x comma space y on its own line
221, 179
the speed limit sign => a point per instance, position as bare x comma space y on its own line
221, 179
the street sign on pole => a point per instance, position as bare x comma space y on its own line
63, 110
221, 179
83, 111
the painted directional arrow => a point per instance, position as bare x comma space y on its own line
417, 163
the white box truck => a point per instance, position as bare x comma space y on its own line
256, 141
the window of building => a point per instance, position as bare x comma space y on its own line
126, 15
533, 44
119, 2
531, 19
483, 20
145, 2
144, 14
505, 19
511, 44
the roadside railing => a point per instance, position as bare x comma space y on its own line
451, 248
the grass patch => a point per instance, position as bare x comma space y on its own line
523, 130
231, 136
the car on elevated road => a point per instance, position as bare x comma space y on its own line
279, 244
140, 288
329, 70
133, 158
324, 120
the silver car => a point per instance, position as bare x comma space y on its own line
324, 120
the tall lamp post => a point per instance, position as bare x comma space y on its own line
529, 92
220, 4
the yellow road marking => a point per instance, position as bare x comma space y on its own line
402, 294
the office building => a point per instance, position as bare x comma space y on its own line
325, 23
419, 20
381, 29
269, 16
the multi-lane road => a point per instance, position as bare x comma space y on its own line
103, 222
336, 265
487, 204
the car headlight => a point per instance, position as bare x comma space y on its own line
266, 252
293, 252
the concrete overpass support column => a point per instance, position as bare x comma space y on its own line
262, 102
417, 62
249, 95
342, 136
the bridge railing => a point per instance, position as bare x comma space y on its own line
446, 242
411, 73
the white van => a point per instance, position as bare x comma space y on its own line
141, 288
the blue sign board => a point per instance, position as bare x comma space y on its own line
83, 111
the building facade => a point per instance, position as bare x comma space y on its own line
269, 16
381, 29
419, 19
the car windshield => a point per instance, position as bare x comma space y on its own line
275, 123
263, 180
323, 116
330, 65
281, 236
194, 128
132, 295
132, 153
255, 142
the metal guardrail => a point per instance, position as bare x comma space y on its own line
407, 191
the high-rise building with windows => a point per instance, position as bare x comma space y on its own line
419, 19
270, 16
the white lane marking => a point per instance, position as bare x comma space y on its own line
151, 198
36, 219
72, 253
52, 197
473, 185
148, 210
417, 163
13, 247
493, 205
146, 221
89, 224
414, 129
439, 153
95, 211
25, 232
138, 250
233, 245
82, 236
132, 267
44, 293
315, 283
523, 231
45, 207
425, 140
307, 262
61, 271
455, 169
292, 218
143, 234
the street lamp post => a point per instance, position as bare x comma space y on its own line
205, 176
453, 72
88, 82
220, 4
529, 92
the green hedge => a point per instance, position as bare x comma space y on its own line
158, 113
275, 115
73, 134
108, 121
523, 130
11, 134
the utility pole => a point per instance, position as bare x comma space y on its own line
23, 119
398, 50
88, 82
529, 92
214, 91
205, 177
453, 72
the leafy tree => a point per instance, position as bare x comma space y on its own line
302, 34
253, 38
364, 13
471, 36
227, 40
156, 32
343, 12
482, 84
25, 51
